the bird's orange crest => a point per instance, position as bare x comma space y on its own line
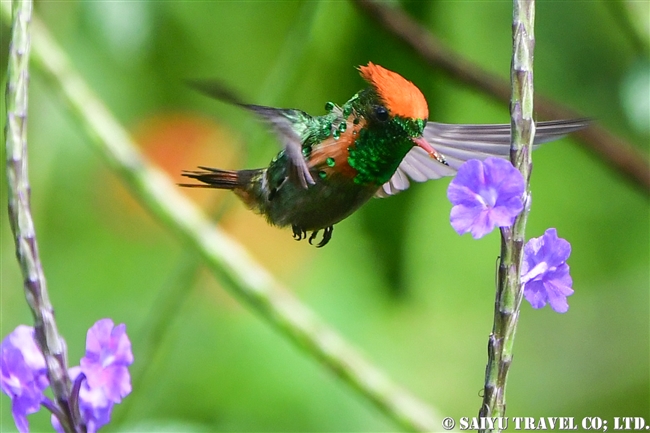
400, 96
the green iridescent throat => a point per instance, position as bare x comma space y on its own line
381, 147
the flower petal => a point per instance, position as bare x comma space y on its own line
463, 218
485, 194
23, 374
545, 273
108, 354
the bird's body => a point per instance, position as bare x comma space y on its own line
332, 164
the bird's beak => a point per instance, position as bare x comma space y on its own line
424, 144
433, 153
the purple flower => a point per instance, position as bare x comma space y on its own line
106, 379
103, 378
108, 354
545, 274
94, 406
485, 194
24, 375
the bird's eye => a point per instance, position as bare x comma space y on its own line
381, 113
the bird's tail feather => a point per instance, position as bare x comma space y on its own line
220, 179
247, 184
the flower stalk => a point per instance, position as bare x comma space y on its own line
509, 287
50, 342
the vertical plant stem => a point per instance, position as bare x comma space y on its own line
47, 335
509, 288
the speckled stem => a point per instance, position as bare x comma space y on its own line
227, 259
48, 338
509, 288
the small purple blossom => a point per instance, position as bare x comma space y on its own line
102, 379
106, 379
108, 354
485, 194
545, 274
24, 375
94, 406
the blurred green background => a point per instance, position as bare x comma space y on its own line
396, 280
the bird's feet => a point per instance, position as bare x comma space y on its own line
300, 234
327, 235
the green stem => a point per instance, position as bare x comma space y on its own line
50, 342
509, 288
228, 260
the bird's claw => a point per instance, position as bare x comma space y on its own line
327, 235
300, 234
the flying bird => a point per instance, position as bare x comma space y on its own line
371, 146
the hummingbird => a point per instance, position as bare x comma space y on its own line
330, 165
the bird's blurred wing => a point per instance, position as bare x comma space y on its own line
286, 123
459, 143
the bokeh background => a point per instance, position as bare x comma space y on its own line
396, 280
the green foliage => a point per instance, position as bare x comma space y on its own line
220, 368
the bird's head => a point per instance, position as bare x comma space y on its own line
395, 100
